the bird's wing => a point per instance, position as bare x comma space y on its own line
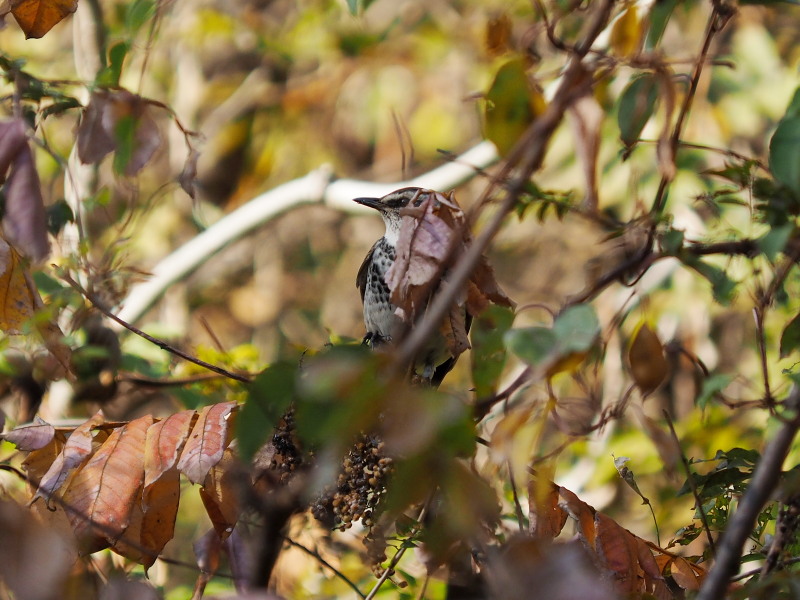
363, 272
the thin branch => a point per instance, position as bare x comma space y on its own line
160, 343
716, 22
765, 478
698, 503
325, 563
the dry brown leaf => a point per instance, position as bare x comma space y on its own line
207, 550
13, 139
683, 574
102, 493
210, 436
618, 551
164, 443
547, 518
649, 366
102, 123
220, 497
24, 219
38, 462
76, 451
31, 437
37, 17
93, 139
188, 176
152, 521
127, 589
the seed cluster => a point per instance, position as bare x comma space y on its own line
359, 487
287, 457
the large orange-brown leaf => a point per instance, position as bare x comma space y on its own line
102, 494
164, 443
152, 521
210, 436
617, 549
219, 495
76, 450
24, 217
31, 437
37, 17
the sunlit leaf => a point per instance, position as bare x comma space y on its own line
576, 328
220, 496
210, 436
19, 303
30, 437
626, 33
37, 17
164, 443
103, 492
511, 105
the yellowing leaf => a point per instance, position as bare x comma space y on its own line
626, 33
37, 17
648, 364
17, 301
511, 105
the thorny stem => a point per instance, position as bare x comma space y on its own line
244, 378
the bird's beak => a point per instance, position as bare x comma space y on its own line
371, 202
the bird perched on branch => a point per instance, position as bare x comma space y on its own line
425, 234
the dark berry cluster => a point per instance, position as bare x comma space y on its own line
359, 487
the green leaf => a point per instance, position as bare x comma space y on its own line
576, 328
125, 135
790, 338
531, 344
659, 17
353, 6
722, 286
268, 398
138, 13
510, 105
712, 386
636, 106
110, 75
672, 241
488, 351
784, 153
775, 240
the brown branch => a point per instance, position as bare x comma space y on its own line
244, 378
765, 478
716, 22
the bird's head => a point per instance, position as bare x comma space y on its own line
389, 207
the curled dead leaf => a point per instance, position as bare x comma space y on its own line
37, 17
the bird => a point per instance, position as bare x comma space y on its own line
382, 322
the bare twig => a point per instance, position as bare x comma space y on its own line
246, 378
765, 479
316, 555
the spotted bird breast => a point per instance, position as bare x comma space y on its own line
379, 316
